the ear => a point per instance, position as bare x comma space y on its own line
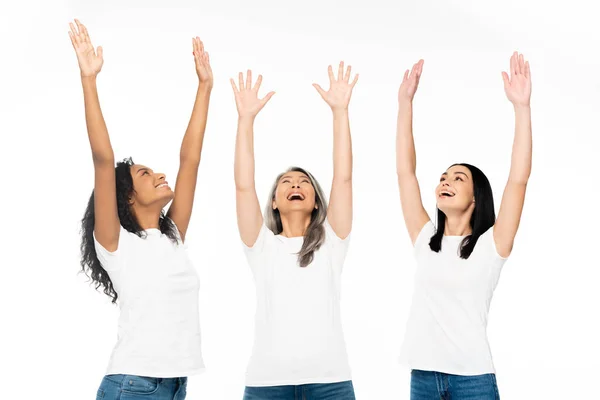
131, 200
274, 205
316, 206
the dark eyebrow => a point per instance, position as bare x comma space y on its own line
457, 172
141, 169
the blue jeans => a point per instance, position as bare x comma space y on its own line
428, 385
310, 391
132, 387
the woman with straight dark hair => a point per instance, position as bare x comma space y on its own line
459, 260
296, 253
135, 252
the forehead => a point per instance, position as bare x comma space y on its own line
458, 169
135, 168
294, 174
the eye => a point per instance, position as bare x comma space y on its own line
305, 181
442, 179
145, 173
458, 178
285, 181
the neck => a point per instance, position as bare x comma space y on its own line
458, 225
147, 218
294, 224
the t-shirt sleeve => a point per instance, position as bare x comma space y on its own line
254, 254
111, 260
337, 246
425, 235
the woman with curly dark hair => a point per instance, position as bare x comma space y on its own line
134, 251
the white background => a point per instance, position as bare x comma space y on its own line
57, 332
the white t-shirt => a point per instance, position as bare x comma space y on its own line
298, 335
446, 329
159, 327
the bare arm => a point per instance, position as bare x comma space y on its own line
249, 216
518, 91
339, 212
107, 225
415, 216
191, 147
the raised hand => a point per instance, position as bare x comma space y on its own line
340, 89
410, 82
202, 60
518, 86
90, 60
246, 97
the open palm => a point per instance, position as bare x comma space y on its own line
202, 61
90, 60
246, 97
340, 89
410, 82
518, 86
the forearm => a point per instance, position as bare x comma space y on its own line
244, 154
520, 167
102, 151
191, 146
342, 146
406, 161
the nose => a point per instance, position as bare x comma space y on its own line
161, 177
296, 185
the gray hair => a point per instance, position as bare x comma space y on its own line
314, 236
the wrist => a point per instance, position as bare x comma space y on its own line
522, 107
205, 86
405, 103
88, 78
339, 111
246, 119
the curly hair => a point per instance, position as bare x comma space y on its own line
90, 264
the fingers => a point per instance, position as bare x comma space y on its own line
420, 69
347, 75
235, 89
74, 34
258, 82
527, 70
521, 64
405, 75
319, 89
354, 81
340, 71
513, 64
248, 80
330, 73
267, 98
505, 79
241, 81
99, 52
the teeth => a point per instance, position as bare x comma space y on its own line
162, 185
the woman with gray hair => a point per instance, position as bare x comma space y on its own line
296, 255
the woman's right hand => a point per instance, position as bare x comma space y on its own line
410, 83
246, 97
90, 61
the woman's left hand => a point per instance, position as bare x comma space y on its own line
202, 61
518, 85
340, 89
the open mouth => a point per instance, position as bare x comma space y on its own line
295, 197
445, 193
162, 185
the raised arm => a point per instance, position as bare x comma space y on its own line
191, 146
339, 212
249, 216
90, 61
415, 216
518, 91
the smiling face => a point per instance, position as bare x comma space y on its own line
294, 193
455, 191
150, 188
